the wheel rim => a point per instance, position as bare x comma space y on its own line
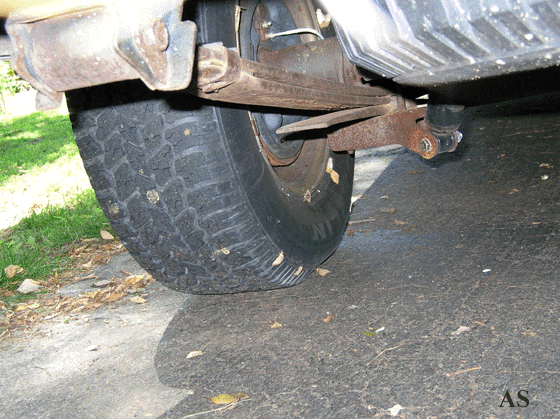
297, 160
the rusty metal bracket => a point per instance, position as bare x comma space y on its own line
403, 127
340, 117
62, 46
224, 76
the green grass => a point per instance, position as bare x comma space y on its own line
34, 244
33, 140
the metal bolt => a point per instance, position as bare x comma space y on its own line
425, 145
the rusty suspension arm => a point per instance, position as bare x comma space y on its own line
224, 76
154, 45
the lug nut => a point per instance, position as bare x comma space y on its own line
425, 145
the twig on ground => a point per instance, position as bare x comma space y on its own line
488, 280
451, 374
367, 220
386, 350
219, 409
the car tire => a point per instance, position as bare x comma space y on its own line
189, 190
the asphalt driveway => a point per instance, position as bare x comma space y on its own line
442, 302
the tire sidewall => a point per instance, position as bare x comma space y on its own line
307, 232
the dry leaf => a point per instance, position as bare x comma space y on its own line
394, 411
460, 330
138, 300
192, 354
106, 235
227, 398
307, 196
335, 177
8, 294
350, 232
28, 286
323, 272
12, 270
328, 318
134, 279
279, 259
296, 273
399, 223
115, 296
88, 264
387, 210
330, 165
102, 284
276, 324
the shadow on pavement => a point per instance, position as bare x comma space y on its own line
470, 240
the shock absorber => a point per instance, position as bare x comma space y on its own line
443, 121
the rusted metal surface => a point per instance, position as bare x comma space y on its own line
224, 76
323, 59
69, 45
404, 128
340, 117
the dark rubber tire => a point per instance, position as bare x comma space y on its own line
188, 191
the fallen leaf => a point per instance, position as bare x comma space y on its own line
335, 177
105, 235
102, 284
192, 354
138, 300
276, 324
227, 398
350, 232
279, 259
28, 286
8, 294
394, 411
115, 296
307, 196
328, 318
88, 264
547, 165
323, 272
399, 223
330, 165
134, 279
296, 273
387, 210
12, 270
369, 334
460, 330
